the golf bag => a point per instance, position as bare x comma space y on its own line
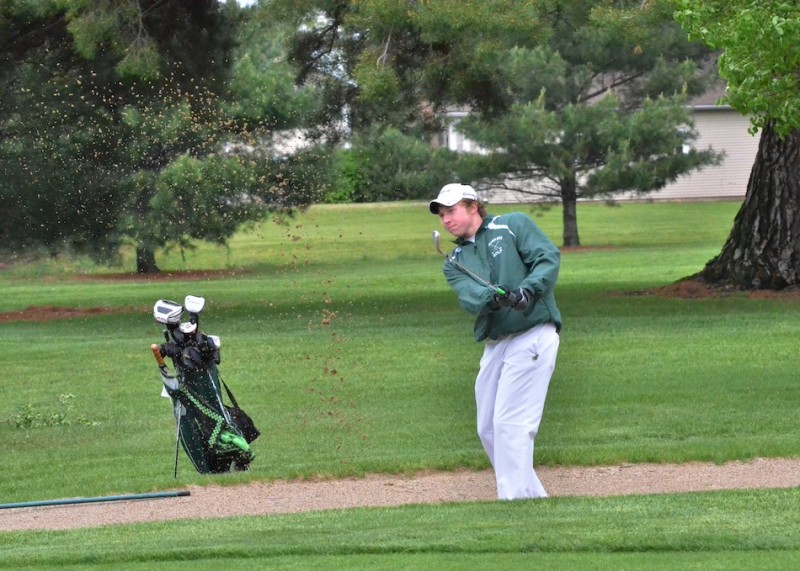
214, 435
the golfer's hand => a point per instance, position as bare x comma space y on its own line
524, 299
507, 299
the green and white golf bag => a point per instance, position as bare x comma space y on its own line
214, 435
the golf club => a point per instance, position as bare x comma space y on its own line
449, 258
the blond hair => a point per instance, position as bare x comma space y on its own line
481, 208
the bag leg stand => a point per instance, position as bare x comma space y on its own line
177, 446
178, 412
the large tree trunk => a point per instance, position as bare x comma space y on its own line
569, 212
763, 249
145, 261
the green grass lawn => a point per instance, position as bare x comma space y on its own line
719, 530
342, 340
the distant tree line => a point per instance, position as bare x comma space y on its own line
153, 123
115, 119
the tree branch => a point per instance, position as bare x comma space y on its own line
614, 84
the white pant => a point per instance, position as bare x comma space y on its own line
510, 391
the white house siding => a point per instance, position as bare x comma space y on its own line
455, 140
720, 128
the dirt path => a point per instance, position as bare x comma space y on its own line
425, 488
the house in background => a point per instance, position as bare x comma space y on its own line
718, 126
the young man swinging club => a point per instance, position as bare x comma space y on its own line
518, 321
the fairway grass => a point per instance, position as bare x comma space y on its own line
342, 340
719, 530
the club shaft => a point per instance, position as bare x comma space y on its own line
463, 268
471, 274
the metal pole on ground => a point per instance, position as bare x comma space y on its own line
150, 496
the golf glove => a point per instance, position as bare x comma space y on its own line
506, 300
524, 299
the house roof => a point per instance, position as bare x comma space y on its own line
711, 96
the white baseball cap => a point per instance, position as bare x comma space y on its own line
452, 194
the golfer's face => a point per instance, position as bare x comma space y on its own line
460, 220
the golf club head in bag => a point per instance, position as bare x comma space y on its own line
167, 312
214, 435
194, 306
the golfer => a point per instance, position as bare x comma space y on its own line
518, 321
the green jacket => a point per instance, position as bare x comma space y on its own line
509, 250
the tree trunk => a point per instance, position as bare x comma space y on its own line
763, 249
146, 261
569, 212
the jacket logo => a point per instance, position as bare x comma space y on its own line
496, 246
493, 226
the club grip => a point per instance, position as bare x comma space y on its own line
157, 354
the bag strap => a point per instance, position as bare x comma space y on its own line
230, 394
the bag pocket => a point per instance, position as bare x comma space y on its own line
244, 422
